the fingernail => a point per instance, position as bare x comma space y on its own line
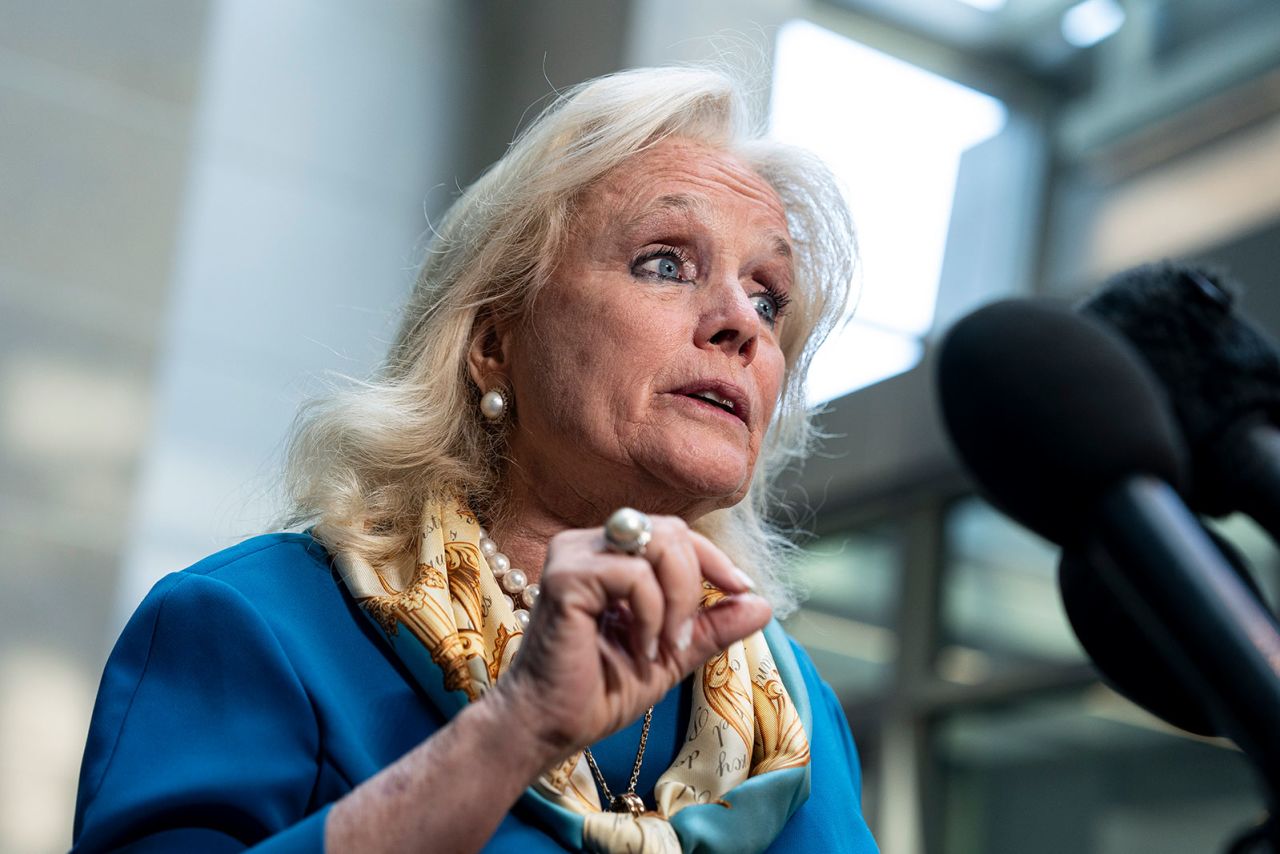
746, 580
652, 649
684, 636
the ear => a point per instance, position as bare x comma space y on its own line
488, 356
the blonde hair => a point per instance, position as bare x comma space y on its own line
363, 461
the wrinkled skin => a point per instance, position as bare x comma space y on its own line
670, 283
674, 278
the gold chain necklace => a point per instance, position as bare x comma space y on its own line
627, 801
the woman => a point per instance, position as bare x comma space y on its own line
457, 654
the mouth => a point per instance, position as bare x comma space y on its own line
722, 396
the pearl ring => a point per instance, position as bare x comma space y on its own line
628, 531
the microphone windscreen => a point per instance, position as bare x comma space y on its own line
1129, 661
1048, 410
1217, 369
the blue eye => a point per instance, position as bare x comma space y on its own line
771, 303
667, 263
666, 268
766, 307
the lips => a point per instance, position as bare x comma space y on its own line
722, 395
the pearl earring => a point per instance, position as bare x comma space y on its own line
493, 405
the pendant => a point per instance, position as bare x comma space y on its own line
627, 802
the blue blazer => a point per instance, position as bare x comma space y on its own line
248, 693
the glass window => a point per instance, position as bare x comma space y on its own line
893, 137
1183, 25
846, 622
1000, 607
1085, 771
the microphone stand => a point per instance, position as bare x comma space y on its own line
1256, 489
1180, 590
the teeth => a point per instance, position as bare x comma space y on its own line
716, 399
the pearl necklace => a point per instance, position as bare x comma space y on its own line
516, 584
512, 580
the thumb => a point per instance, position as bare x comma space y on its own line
729, 620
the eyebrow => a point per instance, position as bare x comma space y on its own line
685, 203
781, 247
682, 202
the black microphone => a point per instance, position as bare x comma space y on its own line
1065, 429
1222, 377
1126, 657
1049, 411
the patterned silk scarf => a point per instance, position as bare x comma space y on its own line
741, 772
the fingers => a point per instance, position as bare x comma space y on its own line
681, 559
612, 632
655, 598
717, 568
684, 558
599, 583
630, 581
725, 623
675, 563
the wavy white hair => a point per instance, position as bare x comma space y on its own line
363, 460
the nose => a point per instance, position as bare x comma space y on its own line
729, 322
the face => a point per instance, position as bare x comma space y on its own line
650, 366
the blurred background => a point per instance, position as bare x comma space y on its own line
208, 206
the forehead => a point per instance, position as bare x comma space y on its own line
683, 176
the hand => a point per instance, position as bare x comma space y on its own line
612, 633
